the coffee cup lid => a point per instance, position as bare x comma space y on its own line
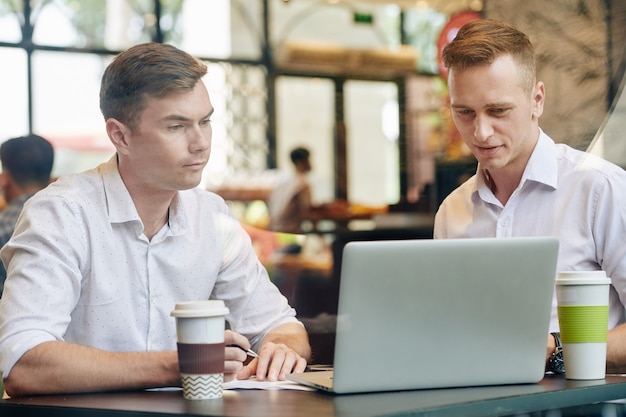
200, 308
582, 281
582, 278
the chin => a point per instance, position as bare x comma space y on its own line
193, 184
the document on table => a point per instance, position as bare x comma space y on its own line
252, 383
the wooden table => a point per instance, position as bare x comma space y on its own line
554, 392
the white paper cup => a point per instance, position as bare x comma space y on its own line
583, 307
200, 333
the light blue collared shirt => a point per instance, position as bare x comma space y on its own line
572, 195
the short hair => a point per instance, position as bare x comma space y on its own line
299, 154
145, 71
482, 41
28, 159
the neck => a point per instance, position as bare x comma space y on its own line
154, 213
153, 209
151, 204
12, 193
151, 226
502, 185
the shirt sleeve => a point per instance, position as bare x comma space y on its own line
609, 229
43, 280
255, 303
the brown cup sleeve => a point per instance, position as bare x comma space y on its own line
201, 358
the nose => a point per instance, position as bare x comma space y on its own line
482, 128
200, 138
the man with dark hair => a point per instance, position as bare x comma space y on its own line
105, 255
290, 201
526, 184
26, 166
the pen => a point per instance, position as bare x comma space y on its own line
250, 352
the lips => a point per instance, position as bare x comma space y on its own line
198, 164
488, 150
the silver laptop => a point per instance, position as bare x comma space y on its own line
417, 314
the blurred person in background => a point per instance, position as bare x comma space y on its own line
290, 201
26, 166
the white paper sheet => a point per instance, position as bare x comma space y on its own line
252, 383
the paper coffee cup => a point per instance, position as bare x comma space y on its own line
200, 333
583, 308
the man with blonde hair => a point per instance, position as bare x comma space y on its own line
525, 183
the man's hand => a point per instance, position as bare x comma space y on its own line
234, 357
284, 350
275, 361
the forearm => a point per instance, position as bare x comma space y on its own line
60, 367
293, 335
616, 350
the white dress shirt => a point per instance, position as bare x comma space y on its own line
80, 269
572, 195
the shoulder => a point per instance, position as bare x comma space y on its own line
203, 208
72, 193
592, 177
456, 204
463, 192
584, 164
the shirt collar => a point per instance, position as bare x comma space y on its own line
121, 207
542, 165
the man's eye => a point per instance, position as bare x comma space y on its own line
174, 128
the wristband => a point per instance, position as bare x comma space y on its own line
555, 362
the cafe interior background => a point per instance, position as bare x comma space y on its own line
359, 83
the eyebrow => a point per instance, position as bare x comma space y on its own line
488, 105
176, 117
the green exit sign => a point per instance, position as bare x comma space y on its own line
360, 17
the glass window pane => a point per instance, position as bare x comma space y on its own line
54, 24
172, 22
66, 108
10, 30
245, 106
609, 143
126, 23
246, 19
353, 25
217, 169
217, 29
14, 88
422, 27
305, 117
111, 24
372, 145
239, 145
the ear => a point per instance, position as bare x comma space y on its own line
8, 187
538, 98
119, 134
4, 179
